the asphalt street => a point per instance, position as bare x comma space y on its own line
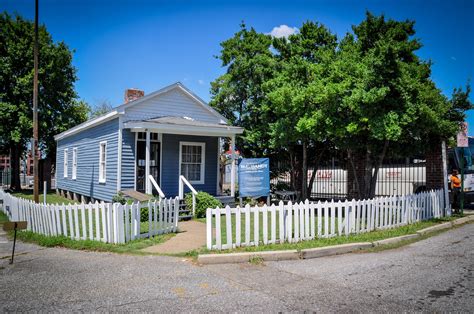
435, 274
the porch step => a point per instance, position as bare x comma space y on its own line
138, 196
184, 212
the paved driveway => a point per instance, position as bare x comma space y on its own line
431, 275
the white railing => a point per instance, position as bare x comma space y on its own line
157, 187
182, 181
106, 222
305, 221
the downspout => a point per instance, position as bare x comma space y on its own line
119, 153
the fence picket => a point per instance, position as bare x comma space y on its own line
247, 224
89, 220
289, 222
333, 218
265, 224
319, 210
296, 234
209, 228
326, 219
228, 221
218, 229
238, 231
302, 224
256, 226
281, 219
128, 221
150, 220
273, 223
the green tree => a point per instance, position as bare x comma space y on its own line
238, 94
58, 108
387, 99
299, 92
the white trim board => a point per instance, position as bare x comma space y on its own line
224, 131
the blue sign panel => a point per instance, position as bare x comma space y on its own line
254, 177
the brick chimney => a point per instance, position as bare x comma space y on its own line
132, 94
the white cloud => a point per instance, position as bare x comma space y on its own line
201, 82
453, 58
283, 31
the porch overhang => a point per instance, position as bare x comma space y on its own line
183, 126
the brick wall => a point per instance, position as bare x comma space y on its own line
359, 164
434, 168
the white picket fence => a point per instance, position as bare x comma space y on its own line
106, 222
305, 221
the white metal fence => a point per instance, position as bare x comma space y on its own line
106, 222
251, 226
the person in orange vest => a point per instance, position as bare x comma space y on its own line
455, 189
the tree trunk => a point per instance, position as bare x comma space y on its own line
15, 167
315, 169
304, 183
373, 180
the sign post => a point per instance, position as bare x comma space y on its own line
14, 225
254, 178
462, 142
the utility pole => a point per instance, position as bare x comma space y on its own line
34, 148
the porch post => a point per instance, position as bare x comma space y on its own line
147, 163
232, 172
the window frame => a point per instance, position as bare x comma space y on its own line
65, 163
103, 174
203, 160
74, 163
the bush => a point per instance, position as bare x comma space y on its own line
203, 202
119, 198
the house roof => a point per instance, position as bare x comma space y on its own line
121, 110
183, 125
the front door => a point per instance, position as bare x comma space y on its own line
154, 164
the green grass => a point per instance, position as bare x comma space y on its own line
51, 197
321, 242
132, 247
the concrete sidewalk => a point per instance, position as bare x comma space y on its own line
6, 246
191, 236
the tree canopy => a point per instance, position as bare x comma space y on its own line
368, 93
58, 107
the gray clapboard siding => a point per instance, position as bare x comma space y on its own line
87, 143
128, 159
170, 167
172, 103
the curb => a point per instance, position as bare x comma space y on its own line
245, 257
396, 239
334, 250
442, 226
463, 220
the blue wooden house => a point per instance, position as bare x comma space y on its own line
149, 141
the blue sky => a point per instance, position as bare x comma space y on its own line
150, 44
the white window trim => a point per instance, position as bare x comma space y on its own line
102, 178
65, 163
74, 163
203, 159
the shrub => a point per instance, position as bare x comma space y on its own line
119, 198
203, 201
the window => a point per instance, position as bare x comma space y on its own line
192, 159
74, 163
65, 163
102, 161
